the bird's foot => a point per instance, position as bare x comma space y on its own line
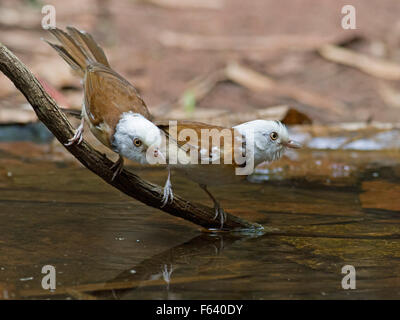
219, 212
168, 194
78, 136
117, 167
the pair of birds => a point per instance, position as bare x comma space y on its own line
119, 118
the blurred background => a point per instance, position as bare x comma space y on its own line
221, 62
165, 47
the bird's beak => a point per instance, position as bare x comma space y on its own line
292, 144
156, 153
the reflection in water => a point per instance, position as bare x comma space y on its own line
167, 274
328, 209
148, 272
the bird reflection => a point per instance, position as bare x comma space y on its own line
201, 251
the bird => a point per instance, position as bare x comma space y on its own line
117, 115
216, 162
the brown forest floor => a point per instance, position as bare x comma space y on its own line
130, 32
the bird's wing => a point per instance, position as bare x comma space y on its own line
192, 135
108, 95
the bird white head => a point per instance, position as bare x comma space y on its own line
135, 136
271, 139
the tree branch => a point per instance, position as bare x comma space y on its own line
130, 184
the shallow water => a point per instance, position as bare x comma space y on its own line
328, 210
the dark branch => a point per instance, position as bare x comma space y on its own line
130, 184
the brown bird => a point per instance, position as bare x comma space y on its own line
116, 114
119, 118
216, 155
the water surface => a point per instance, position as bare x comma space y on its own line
328, 209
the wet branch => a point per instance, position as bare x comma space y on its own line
130, 184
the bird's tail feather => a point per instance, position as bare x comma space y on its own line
78, 49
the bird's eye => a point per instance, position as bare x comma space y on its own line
273, 135
137, 142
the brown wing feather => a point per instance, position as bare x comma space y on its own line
223, 147
107, 96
